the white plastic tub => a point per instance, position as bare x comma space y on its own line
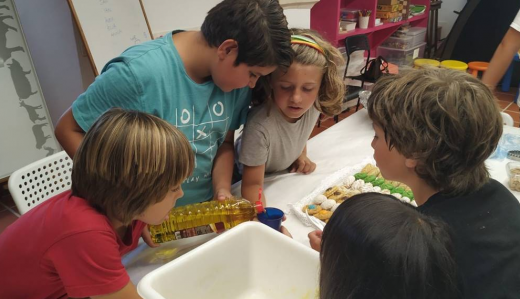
249, 261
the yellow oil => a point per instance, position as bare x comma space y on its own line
202, 218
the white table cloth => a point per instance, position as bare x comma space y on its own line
346, 143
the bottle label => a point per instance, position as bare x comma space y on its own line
199, 230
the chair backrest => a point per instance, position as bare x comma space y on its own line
40, 180
507, 119
356, 43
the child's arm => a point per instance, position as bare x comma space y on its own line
252, 181
127, 292
502, 58
69, 133
303, 164
117, 86
223, 168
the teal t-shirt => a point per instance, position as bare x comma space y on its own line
151, 77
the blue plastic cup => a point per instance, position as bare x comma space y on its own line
273, 218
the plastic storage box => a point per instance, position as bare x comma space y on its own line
418, 34
251, 260
350, 15
402, 43
347, 26
513, 172
402, 57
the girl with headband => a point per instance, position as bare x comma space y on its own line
287, 105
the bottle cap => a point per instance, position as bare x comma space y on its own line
258, 204
259, 207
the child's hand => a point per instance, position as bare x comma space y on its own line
147, 238
303, 165
285, 231
315, 239
222, 194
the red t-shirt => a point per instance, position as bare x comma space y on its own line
63, 247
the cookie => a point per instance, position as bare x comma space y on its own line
370, 178
328, 204
334, 191
399, 190
387, 186
360, 176
374, 172
349, 181
395, 184
323, 214
340, 200
318, 200
367, 168
405, 199
358, 185
367, 188
397, 195
329, 191
351, 193
338, 195
311, 209
378, 182
408, 194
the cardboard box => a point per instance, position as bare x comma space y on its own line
386, 2
390, 8
387, 14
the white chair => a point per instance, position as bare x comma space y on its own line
507, 119
40, 180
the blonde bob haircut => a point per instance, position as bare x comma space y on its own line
445, 119
332, 88
128, 161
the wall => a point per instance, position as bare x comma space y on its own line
446, 15
61, 63
166, 15
298, 18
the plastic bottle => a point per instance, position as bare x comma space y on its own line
203, 218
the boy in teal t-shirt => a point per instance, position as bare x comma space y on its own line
197, 81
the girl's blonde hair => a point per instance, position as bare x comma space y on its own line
332, 88
128, 161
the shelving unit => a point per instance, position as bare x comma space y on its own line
325, 17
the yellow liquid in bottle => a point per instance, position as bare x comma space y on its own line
203, 218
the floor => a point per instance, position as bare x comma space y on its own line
9, 212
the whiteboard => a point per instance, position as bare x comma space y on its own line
26, 132
108, 27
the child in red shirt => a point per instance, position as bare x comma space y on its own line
126, 174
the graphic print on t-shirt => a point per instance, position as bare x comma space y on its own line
205, 133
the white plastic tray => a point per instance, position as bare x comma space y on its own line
335, 179
249, 261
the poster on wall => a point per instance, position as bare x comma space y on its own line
26, 131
